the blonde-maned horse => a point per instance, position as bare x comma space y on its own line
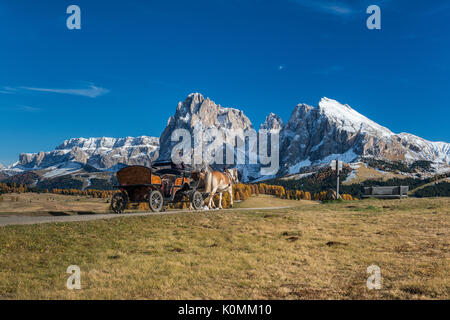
219, 182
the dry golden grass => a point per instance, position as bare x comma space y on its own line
45, 203
308, 252
268, 201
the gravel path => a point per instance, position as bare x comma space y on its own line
21, 220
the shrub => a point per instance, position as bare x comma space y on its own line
226, 200
346, 197
143, 206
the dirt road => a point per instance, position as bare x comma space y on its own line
21, 220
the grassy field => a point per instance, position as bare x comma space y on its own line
267, 201
307, 252
47, 203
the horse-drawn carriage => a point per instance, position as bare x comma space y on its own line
160, 185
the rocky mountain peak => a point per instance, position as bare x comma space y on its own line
190, 105
300, 111
197, 109
197, 114
272, 122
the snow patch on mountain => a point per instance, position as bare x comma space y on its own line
296, 167
345, 157
56, 171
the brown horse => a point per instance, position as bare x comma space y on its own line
219, 182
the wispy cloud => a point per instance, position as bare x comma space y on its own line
337, 8
91, 91
8, 90
21, 108
343, 8
281, 67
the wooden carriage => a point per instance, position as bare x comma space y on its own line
160, 185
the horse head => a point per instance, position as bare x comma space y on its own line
233, 174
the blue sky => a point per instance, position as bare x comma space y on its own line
124, 72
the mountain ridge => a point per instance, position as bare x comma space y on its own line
312, 137
101, 153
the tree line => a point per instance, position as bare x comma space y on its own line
441, 189
6, 188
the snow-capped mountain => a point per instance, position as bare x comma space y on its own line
418, 148
315, 136
100, 153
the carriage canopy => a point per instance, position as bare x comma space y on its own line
134, 175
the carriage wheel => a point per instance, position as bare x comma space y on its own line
156, 201
197, 200
119, 202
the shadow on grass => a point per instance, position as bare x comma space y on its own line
368, 208
70, 213
58, 213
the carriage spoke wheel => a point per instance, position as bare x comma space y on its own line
119, 203
156, 201
197, 200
